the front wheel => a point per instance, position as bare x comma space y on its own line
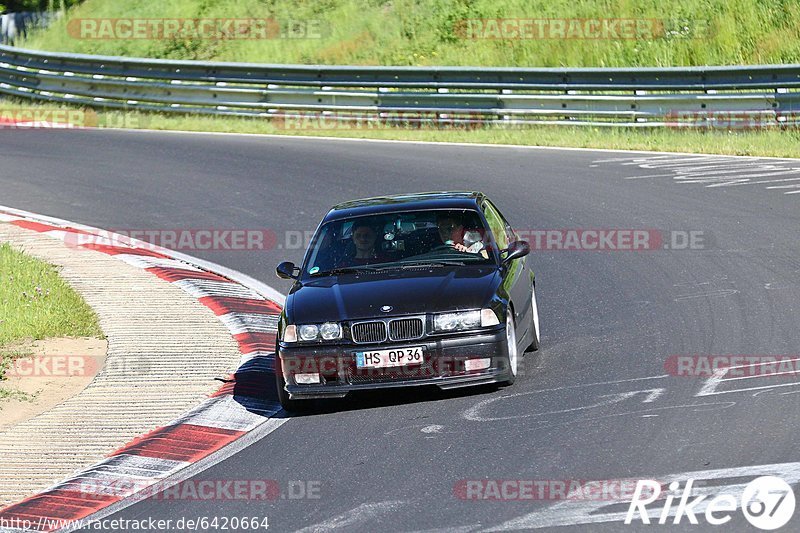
512, 359
534, 345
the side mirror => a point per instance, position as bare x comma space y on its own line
516, 250
287, 270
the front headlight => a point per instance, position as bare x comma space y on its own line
328, 331
464, 320
308, 332
457, 321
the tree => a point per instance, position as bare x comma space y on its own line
13, 6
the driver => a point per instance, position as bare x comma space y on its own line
452, 233
364, 238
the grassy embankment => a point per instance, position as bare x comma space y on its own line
426, 32
35, 303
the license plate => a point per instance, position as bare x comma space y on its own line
390, 358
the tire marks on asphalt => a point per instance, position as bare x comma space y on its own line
715, 171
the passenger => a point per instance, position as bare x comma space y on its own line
453, 233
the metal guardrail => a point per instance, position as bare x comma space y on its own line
767, 95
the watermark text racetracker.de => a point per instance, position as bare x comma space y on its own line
202, 490
68, 119
54, 118
54, 366
214, 29
612, 29
57, 366
261, 239
392, 120
574, 239
579, 239
733, 366
614, 239
184, 239
742, 119
545, 489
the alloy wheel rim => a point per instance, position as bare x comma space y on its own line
535, 313
511, 340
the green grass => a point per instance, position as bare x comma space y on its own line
35, 303
425, 32
13, 394
754, 143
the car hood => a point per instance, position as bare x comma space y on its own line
359, 296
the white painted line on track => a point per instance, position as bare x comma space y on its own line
358, 516
449, 529
227, 412
746, 182
435, 143
122, 477
242, 323
138, 464
713, 171
719, 293
143, 261
711, 385
474, 413
578, 511
200, 288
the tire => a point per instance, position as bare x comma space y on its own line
535, 342
512, 359
292, 406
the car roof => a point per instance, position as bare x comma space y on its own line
406, 202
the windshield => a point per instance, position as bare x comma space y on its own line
396, 240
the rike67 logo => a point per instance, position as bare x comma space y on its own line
767, 503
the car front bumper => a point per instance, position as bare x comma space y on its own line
443, 366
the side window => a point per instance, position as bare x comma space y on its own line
496, 224
320, 250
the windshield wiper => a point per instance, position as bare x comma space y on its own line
390, 266
436, 262
343, 270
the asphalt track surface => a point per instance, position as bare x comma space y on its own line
593, 404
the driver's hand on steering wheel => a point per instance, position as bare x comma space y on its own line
463, 248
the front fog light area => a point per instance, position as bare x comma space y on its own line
307, 379
470, 365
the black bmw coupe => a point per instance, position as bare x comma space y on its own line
419, 289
